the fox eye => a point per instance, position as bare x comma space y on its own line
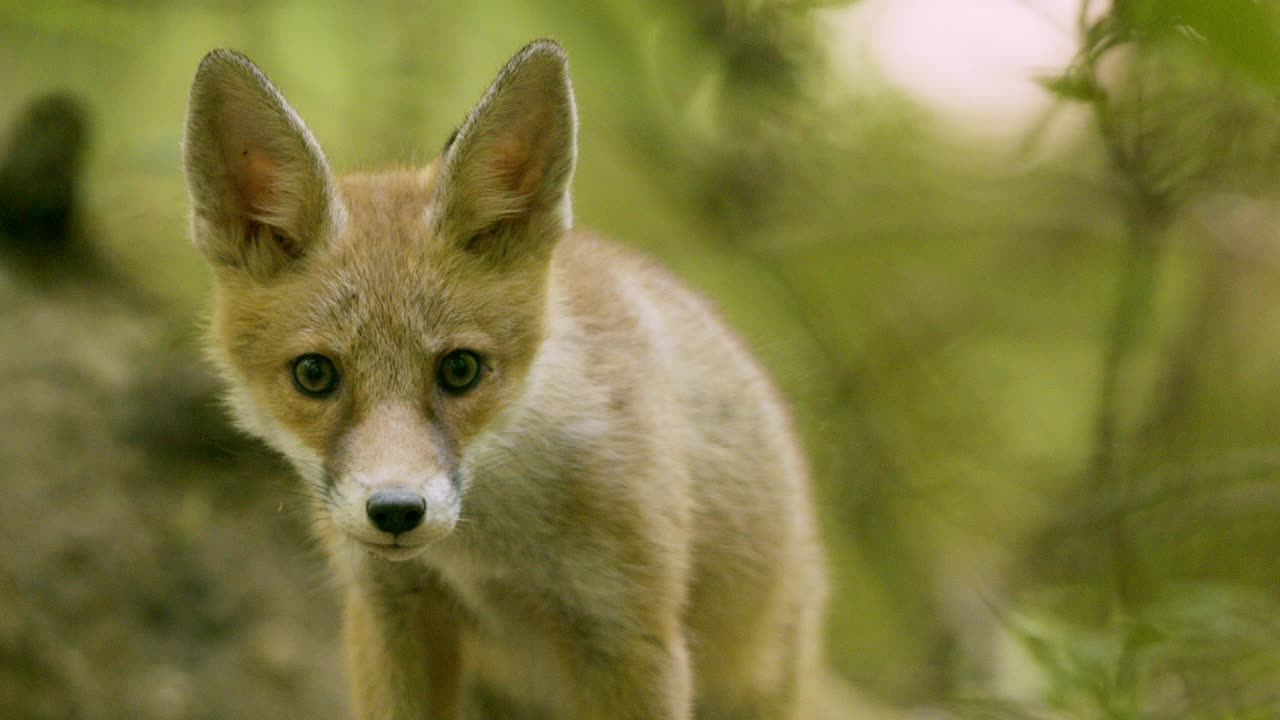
459, 371
314, 375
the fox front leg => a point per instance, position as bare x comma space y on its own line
640, 678
404, 657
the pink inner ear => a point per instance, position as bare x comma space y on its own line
515, 161
255, 175
519, 155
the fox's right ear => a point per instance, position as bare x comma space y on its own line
261, 192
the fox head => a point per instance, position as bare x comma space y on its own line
372, 327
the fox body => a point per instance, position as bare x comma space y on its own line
550, 479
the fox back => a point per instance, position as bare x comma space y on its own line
549, 477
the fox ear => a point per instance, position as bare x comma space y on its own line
261, 192
504, 179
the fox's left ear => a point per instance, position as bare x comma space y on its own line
504, 178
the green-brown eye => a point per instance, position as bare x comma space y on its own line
314, 375
459, 371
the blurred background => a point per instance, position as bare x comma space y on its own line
1014, 262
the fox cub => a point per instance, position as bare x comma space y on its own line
551, 481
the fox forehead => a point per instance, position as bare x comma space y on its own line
387, 228
388, 202
385, 293
383, 280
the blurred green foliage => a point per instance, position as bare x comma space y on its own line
1038, 376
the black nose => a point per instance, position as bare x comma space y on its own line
395, 511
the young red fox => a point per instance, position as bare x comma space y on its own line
552, 482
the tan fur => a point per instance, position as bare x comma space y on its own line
619, 522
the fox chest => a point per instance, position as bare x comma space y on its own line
513, 645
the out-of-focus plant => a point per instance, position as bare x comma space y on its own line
1160, 606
